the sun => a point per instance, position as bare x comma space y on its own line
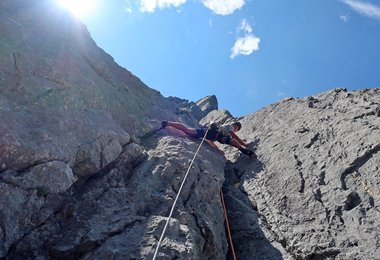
80, 8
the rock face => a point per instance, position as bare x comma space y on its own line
71, 115
208, 104
59, 89
120, 212
84, 174
315, 185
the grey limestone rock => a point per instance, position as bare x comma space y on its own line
50, 177
68, 112
317, 191
120, 213
208, 104
217, 116
85, 175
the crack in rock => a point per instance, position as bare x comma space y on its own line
358, 163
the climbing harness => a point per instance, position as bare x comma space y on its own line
175, 201
228, 225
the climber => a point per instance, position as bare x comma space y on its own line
225, 135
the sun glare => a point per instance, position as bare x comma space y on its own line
80, 8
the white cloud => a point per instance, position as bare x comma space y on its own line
364, 8
244, 26
151, 5
345, 17
246, 44
223, 7
128, 6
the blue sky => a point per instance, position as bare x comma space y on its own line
249, 53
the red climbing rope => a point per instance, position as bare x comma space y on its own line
228, 225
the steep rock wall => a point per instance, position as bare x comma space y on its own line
314, 187
120, 212
83, 175
70, 115
58, 87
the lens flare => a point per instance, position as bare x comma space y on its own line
80, 8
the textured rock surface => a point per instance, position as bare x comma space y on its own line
83, 174
59, 89
69, 112
208, 104
315, 185
120, 212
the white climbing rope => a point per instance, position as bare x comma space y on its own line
175, 201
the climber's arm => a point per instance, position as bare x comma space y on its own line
234, 136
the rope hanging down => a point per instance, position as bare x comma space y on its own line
175, 201
228, 226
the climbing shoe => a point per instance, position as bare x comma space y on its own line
164, 124
246, 151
